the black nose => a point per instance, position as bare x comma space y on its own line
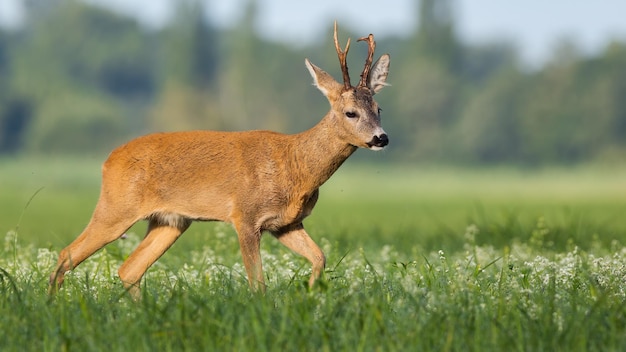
383, 140
379, 141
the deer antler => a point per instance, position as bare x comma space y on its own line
368, 62
342, 60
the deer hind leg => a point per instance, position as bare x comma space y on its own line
250, 243
296, 239
162, 232
103, 228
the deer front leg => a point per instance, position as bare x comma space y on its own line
250, 243
296, 239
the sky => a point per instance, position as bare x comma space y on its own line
532, 26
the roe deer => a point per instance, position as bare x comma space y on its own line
256, 180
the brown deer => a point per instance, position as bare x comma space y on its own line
256, 180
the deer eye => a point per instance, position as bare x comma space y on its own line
351, 114
379, 111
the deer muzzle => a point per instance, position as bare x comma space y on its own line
378, 142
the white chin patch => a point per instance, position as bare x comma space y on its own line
375, 148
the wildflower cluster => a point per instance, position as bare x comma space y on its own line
520, 268
517, 287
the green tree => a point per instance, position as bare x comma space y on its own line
565, 115
427, 80
15, 110
74, 49
488, 130
189, 72
613, 81
77, 123
436, 37
191, 47
425, 102
257, 82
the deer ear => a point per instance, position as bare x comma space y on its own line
323, 81
378, 74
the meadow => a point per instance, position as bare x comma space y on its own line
419, 258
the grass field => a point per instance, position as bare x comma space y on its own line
418, 259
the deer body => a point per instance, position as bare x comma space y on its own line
266, 176
256, 180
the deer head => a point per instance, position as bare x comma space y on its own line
353, 109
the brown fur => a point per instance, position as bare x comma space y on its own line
256, 180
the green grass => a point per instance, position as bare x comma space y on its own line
418, 259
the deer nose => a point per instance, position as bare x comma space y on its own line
379, 141
383, 139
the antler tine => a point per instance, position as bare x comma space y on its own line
368, 62
342, 60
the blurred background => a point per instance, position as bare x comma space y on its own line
473, 82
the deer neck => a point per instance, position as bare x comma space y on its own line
319, 152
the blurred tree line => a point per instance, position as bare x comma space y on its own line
77, 78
